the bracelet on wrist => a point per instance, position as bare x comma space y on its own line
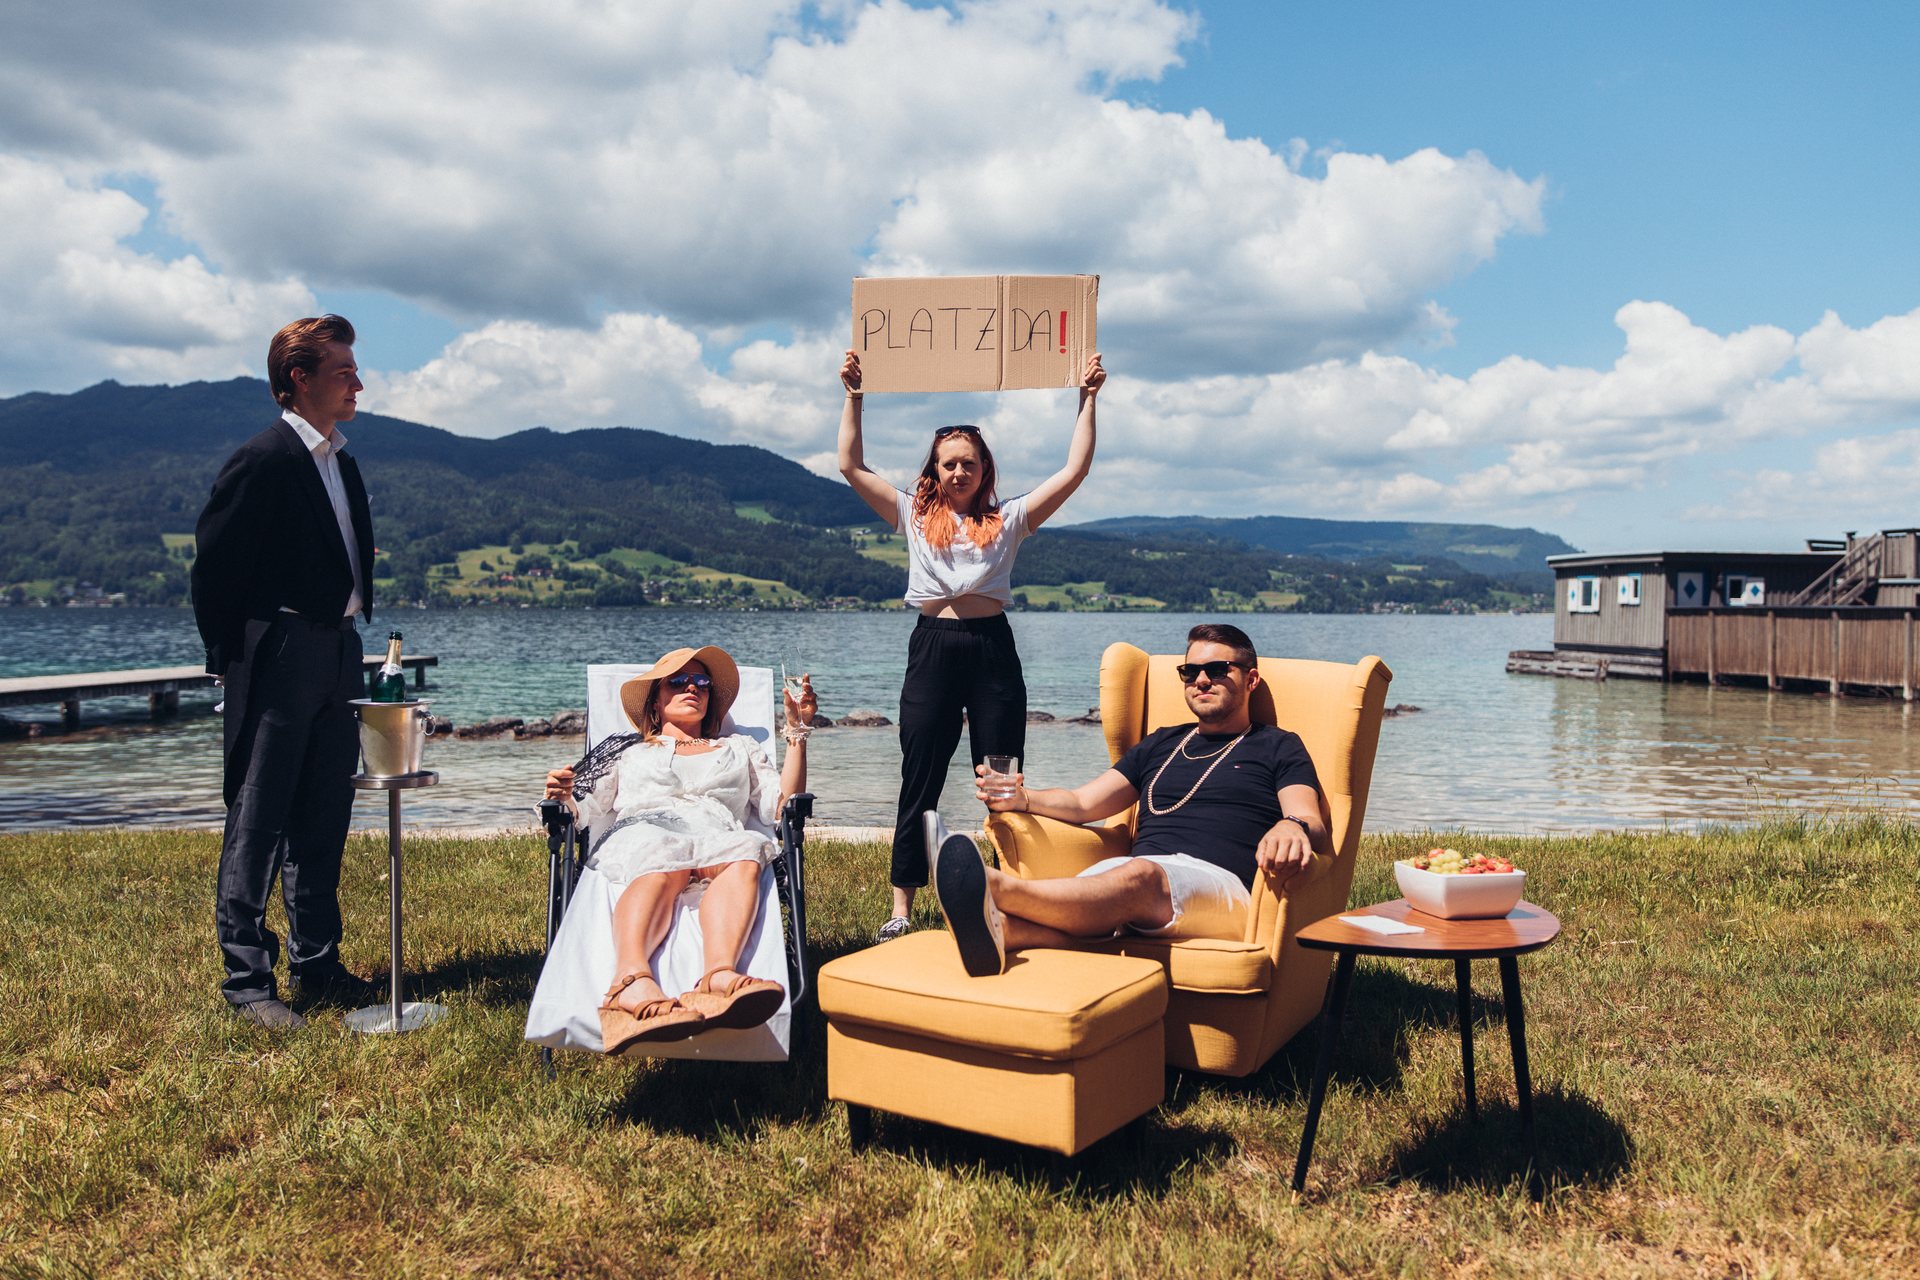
1294, 817
794, 737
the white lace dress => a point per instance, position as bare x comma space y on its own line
656, 810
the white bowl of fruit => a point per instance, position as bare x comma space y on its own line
1457, 886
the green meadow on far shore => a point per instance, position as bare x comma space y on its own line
1725, 1044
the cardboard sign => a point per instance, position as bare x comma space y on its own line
973, 333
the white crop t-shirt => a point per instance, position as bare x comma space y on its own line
962, 569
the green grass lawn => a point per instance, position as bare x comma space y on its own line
1725, 1043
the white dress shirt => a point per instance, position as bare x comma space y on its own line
323, 451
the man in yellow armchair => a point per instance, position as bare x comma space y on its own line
1219, 800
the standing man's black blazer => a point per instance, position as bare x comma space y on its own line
268, 540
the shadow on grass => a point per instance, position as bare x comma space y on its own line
493, 980
1578, 1144
707, 1099
1147, 1155
1383, 1006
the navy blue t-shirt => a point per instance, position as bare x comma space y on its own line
1237, 804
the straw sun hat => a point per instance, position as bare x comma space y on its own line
726, 681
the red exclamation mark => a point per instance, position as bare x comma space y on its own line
1063, 331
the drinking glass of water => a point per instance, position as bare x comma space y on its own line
999, 779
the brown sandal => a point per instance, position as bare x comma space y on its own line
744, 1002
654, 1022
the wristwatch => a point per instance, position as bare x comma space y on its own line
1294, 817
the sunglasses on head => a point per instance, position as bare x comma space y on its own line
943, 432
685, 678
1190, 671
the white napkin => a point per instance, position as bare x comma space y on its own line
1380, 924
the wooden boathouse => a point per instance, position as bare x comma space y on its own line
1838, 617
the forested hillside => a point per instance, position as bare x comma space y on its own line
99, 491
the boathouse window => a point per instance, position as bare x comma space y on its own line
1629, 588
1742, 590
1583, 595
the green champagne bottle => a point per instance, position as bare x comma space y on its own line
391, 684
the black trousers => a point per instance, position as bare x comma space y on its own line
953, 665
289, 800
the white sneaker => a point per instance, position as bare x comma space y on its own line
895, 927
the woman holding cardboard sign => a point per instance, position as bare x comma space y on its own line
961, 541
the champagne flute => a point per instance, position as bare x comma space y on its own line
793, 686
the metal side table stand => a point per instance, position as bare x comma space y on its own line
414, 1014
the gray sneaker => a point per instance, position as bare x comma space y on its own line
271, 1014
897, 927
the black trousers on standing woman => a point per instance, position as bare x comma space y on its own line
954, 665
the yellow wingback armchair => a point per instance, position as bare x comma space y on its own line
1233, 1002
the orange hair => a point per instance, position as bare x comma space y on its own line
932, 515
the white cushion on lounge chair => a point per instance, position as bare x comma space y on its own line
566, 1004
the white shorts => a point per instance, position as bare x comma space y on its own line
1208, 901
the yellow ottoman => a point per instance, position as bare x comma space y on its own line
1058, 1051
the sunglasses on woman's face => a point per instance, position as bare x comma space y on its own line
700, 683
1190, 671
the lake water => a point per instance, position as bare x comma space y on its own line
1486, 752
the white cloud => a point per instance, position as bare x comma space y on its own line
634, 370
1870, 368
734, 162
1857, 482
81, 305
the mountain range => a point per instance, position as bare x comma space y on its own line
103, 485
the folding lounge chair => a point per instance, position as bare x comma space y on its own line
580, 955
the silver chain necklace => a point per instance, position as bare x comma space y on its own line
1216, 757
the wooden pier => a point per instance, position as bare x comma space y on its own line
1585, 664
160, 685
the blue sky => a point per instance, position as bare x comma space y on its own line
1636, 274
1749, 163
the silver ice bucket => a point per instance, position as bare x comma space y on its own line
392, 735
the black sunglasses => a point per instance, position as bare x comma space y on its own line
684, 678
1190, 671
943, 432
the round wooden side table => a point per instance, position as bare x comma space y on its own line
1526, 928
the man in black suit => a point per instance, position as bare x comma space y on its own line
285, 561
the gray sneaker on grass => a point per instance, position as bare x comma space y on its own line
271, 1014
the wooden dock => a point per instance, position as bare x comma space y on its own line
1585, 664
160, 685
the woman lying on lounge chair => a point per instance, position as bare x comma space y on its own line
675, 802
